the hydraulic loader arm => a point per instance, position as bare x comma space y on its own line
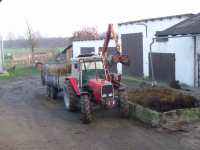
118, 57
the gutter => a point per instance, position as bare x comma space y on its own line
170, 37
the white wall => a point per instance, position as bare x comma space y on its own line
183, 47
93, 43
152, 27
198, 53
1, 69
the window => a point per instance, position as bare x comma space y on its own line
91, 65
76, 66
87, 50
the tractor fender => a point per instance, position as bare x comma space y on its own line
73, 82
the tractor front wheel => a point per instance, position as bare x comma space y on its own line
70, 98
86, 114
124, 106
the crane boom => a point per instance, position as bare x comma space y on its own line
118, 57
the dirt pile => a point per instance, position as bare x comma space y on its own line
162, 99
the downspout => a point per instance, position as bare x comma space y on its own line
146, 28
195, 64
153, 82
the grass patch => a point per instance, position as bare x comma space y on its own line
19, 71
12, 51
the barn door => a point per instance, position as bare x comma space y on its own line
163, 65
132, 45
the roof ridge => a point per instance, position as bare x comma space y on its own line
156, 18
174, 27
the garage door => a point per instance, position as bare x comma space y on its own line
132, 45
164, 66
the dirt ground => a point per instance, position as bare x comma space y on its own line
30, 121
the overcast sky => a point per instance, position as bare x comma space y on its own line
61, 17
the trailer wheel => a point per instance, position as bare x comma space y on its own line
52, 92
42, 77
70, 98
48, 91
124, 106
86, 113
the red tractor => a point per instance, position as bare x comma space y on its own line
92, 84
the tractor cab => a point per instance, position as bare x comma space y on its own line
87, 67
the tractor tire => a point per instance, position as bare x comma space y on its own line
70, 99
123, 102
86, 113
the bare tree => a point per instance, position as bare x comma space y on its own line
31, 39
87, 33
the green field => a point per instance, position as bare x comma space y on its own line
12, 51
19, 71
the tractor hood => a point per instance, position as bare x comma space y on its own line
98, 85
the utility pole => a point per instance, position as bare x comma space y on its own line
2, 50
1, 56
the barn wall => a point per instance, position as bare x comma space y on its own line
183, 47
198, 53
94, 43
152, 27
0, 59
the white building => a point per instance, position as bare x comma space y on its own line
93, 46
182, 41
168, 55
1, 56
89, 46
136, 37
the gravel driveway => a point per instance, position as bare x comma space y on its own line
31, 121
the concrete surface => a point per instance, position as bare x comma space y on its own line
30, 121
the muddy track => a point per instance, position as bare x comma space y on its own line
30, 121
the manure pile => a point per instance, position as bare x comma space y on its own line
162, 99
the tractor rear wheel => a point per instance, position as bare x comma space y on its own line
86, 113
124, 106
70, 98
